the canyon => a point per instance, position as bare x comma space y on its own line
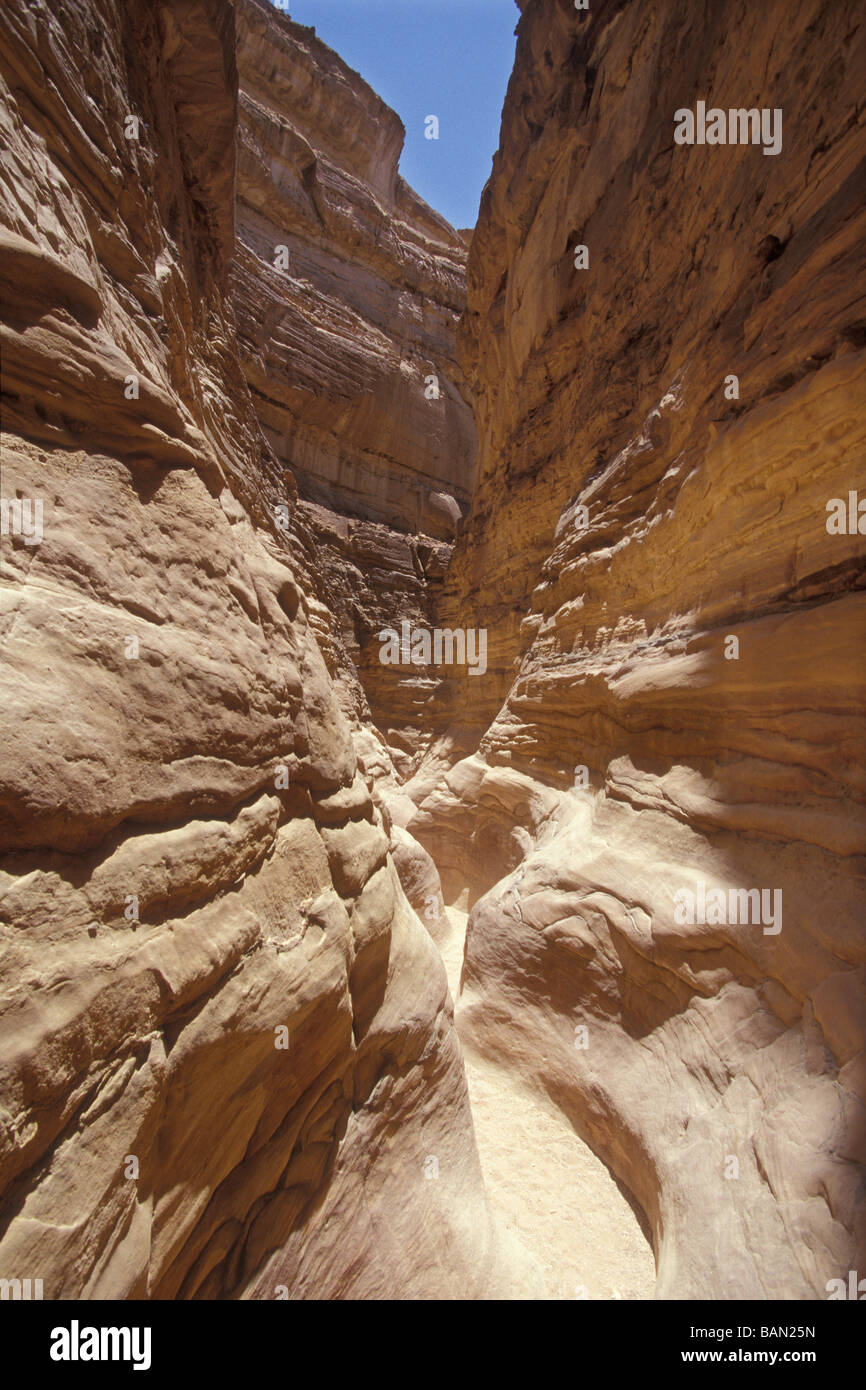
329, 977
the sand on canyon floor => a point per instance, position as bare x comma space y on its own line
546, 1186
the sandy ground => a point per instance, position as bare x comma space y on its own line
546, 1186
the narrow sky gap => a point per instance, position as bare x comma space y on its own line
446, 58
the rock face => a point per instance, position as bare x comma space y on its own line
347, 289
675, 695
228, 1060
217, 1004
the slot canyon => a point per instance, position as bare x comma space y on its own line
528, 964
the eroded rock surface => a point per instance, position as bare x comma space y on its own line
217, 1004
621, 753
228, 1063
347, 288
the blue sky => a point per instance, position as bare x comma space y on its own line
446, 58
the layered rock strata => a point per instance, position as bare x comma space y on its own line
347, 289
216, 1005
674, 709
228, 1067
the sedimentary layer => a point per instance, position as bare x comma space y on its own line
216, 1005
347, 289
674, 707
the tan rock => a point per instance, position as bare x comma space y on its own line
229, 1065
215, 1003
347, 288
620, 752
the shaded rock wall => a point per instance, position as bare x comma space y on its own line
191, 860
192, 872
705, 520
341, 331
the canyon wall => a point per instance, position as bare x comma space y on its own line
228, 1066
676, 687
228, 1060
347, 289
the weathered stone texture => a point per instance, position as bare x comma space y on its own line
340, 346
189, 861
605, 388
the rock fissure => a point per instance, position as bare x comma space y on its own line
325, 975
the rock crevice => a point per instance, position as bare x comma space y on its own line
269, 404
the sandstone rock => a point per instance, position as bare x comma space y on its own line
347, 288
215, 1003
616, 729
419, 877
229, 1065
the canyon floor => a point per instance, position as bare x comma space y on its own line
546, 1187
